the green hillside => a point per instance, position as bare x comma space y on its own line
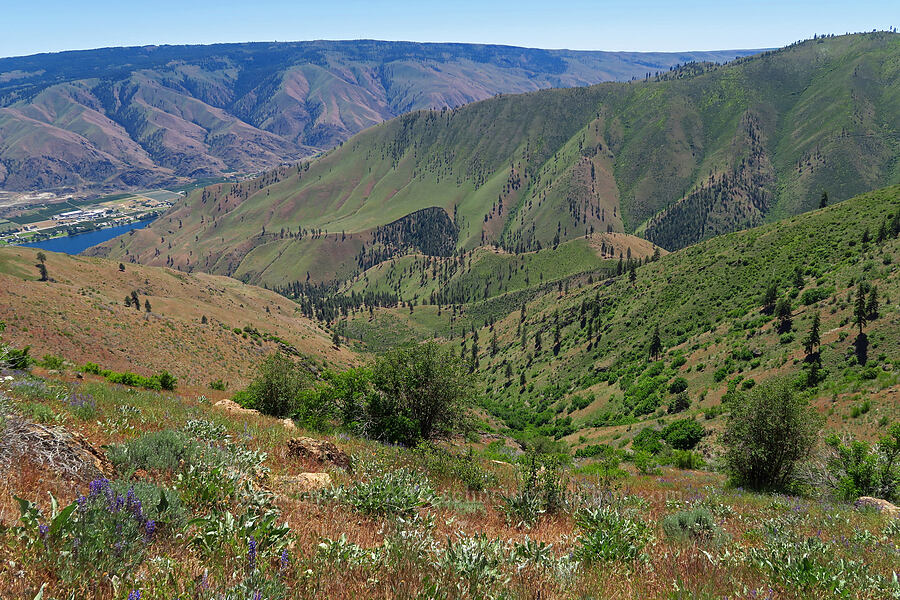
707, 302
676, 158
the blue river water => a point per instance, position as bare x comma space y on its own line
75, 244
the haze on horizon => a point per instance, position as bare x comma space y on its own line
638, 25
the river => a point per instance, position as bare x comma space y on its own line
75, 244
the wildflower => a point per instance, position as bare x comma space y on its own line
149, 530
134, 595
283, 561
251, 554
257, 595
43, 529
98, 486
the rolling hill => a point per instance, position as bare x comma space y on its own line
217, 322
675, 159
117, 118
569, 358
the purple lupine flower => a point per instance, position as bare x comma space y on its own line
283, 561
204, 581
134, 595
251, 553
149, 530
98, 486
82, 503
130, 498
43, 530
137, 509
257, 595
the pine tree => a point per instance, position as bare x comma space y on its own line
860, 315
655, 344
128, 301
42, 258
823, 201
798, 278
770, 297
146, 305
783, 311
42, 270
537, 341
494, 344
812, 340
336, 339
872, 304
134, 300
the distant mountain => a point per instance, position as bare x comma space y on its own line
698, 152
116, 118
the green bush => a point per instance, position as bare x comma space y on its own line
686, 459
608, 535
278, 383
218, 385
160, 451
52, 362
391, 492
860, 469
422, 394
683, 434
678, 385
696, 526
648, 440
541, 489
770, 430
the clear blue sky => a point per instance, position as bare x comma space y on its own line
31, 26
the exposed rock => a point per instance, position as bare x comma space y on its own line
882, 506
321, 451
289, 424
62, 451
307, 482
230, 406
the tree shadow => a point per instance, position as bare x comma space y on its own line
861, 346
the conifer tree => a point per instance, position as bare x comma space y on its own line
812, 340
655, 344
860, 315
146, 305
770, 297
783, 311
823, 201
872, 304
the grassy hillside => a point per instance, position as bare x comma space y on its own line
707, 302
80, 315
675, 158
117, 118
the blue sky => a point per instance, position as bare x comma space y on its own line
31, 26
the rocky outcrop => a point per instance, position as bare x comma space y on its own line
882, 506
320, 451
232, 407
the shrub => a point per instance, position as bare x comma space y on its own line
422, 394
608, 535
678, 385
160, 450
645, 462
680, 403
648, 440
770, 430
859, 469
218, 385
82, 406
686, 459
52, 362
696, 526
395, 492
542, 489
683, 434
104, 532
278, 382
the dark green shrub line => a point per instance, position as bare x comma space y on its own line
161, 381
